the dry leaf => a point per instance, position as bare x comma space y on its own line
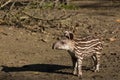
112, 39
2, 21
36, 73
1, 30
118, 20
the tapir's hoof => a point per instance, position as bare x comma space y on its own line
79, 76
74, 73
96, 70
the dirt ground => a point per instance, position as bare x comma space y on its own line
24, 56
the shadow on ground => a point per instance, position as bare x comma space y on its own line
49, 68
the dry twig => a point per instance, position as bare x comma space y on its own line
3, 5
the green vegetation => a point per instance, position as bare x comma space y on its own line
50, 5
70, 6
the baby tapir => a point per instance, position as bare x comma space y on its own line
80, 48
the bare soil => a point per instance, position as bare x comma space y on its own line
25, 56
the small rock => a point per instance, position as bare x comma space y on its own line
1, 68
44, 40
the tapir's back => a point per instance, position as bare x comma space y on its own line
87, 46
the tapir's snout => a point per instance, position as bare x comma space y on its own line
56, 45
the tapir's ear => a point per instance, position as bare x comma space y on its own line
69, 35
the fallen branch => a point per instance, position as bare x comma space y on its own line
3, 5
60, 18
64, 17
35, 18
